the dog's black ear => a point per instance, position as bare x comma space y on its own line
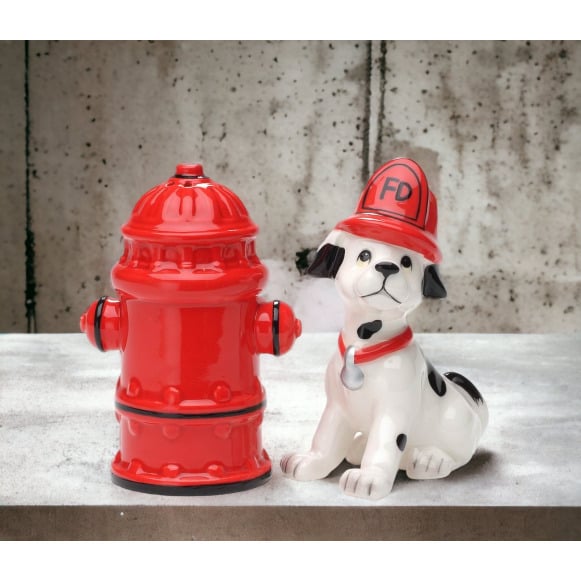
327, 261
432, 286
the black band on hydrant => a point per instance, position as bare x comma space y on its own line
97, 323
275, 328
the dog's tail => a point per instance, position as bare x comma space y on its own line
475, 396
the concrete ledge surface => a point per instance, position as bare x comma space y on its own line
58, 436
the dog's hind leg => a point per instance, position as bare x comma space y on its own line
429, 462
330, 445
471, 394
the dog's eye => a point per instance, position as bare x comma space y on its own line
406, 262
364, 256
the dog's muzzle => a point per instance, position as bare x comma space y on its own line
386, 269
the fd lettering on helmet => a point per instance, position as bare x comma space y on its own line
403, 190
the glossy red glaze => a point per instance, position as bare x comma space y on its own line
101, 324
397, 207
190, 327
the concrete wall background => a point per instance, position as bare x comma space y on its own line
295, 129
12, 188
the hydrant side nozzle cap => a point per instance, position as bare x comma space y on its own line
189, 170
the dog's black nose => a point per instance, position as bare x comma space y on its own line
386, 268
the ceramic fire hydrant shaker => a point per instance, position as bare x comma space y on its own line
190, 326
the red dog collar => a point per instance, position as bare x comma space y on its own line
367, 354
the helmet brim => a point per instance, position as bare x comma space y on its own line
392, 231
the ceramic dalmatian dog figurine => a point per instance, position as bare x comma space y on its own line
387, 407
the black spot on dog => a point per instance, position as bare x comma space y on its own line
437, 382
367, 330
401, 441
327, 262
466, 385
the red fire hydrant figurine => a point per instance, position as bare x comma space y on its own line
190, 327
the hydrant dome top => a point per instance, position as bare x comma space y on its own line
189, 207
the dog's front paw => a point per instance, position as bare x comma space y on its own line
304, 466
369, 483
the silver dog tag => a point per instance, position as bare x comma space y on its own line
351, 376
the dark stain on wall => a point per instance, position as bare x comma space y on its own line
377, 158
366, 115
30, 287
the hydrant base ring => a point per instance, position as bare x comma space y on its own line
195, 490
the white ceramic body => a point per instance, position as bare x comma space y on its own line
402, 414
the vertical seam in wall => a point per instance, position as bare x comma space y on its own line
377, 157
366, 118
30, 287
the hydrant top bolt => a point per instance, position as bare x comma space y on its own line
188, 170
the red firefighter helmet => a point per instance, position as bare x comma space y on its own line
397, 207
